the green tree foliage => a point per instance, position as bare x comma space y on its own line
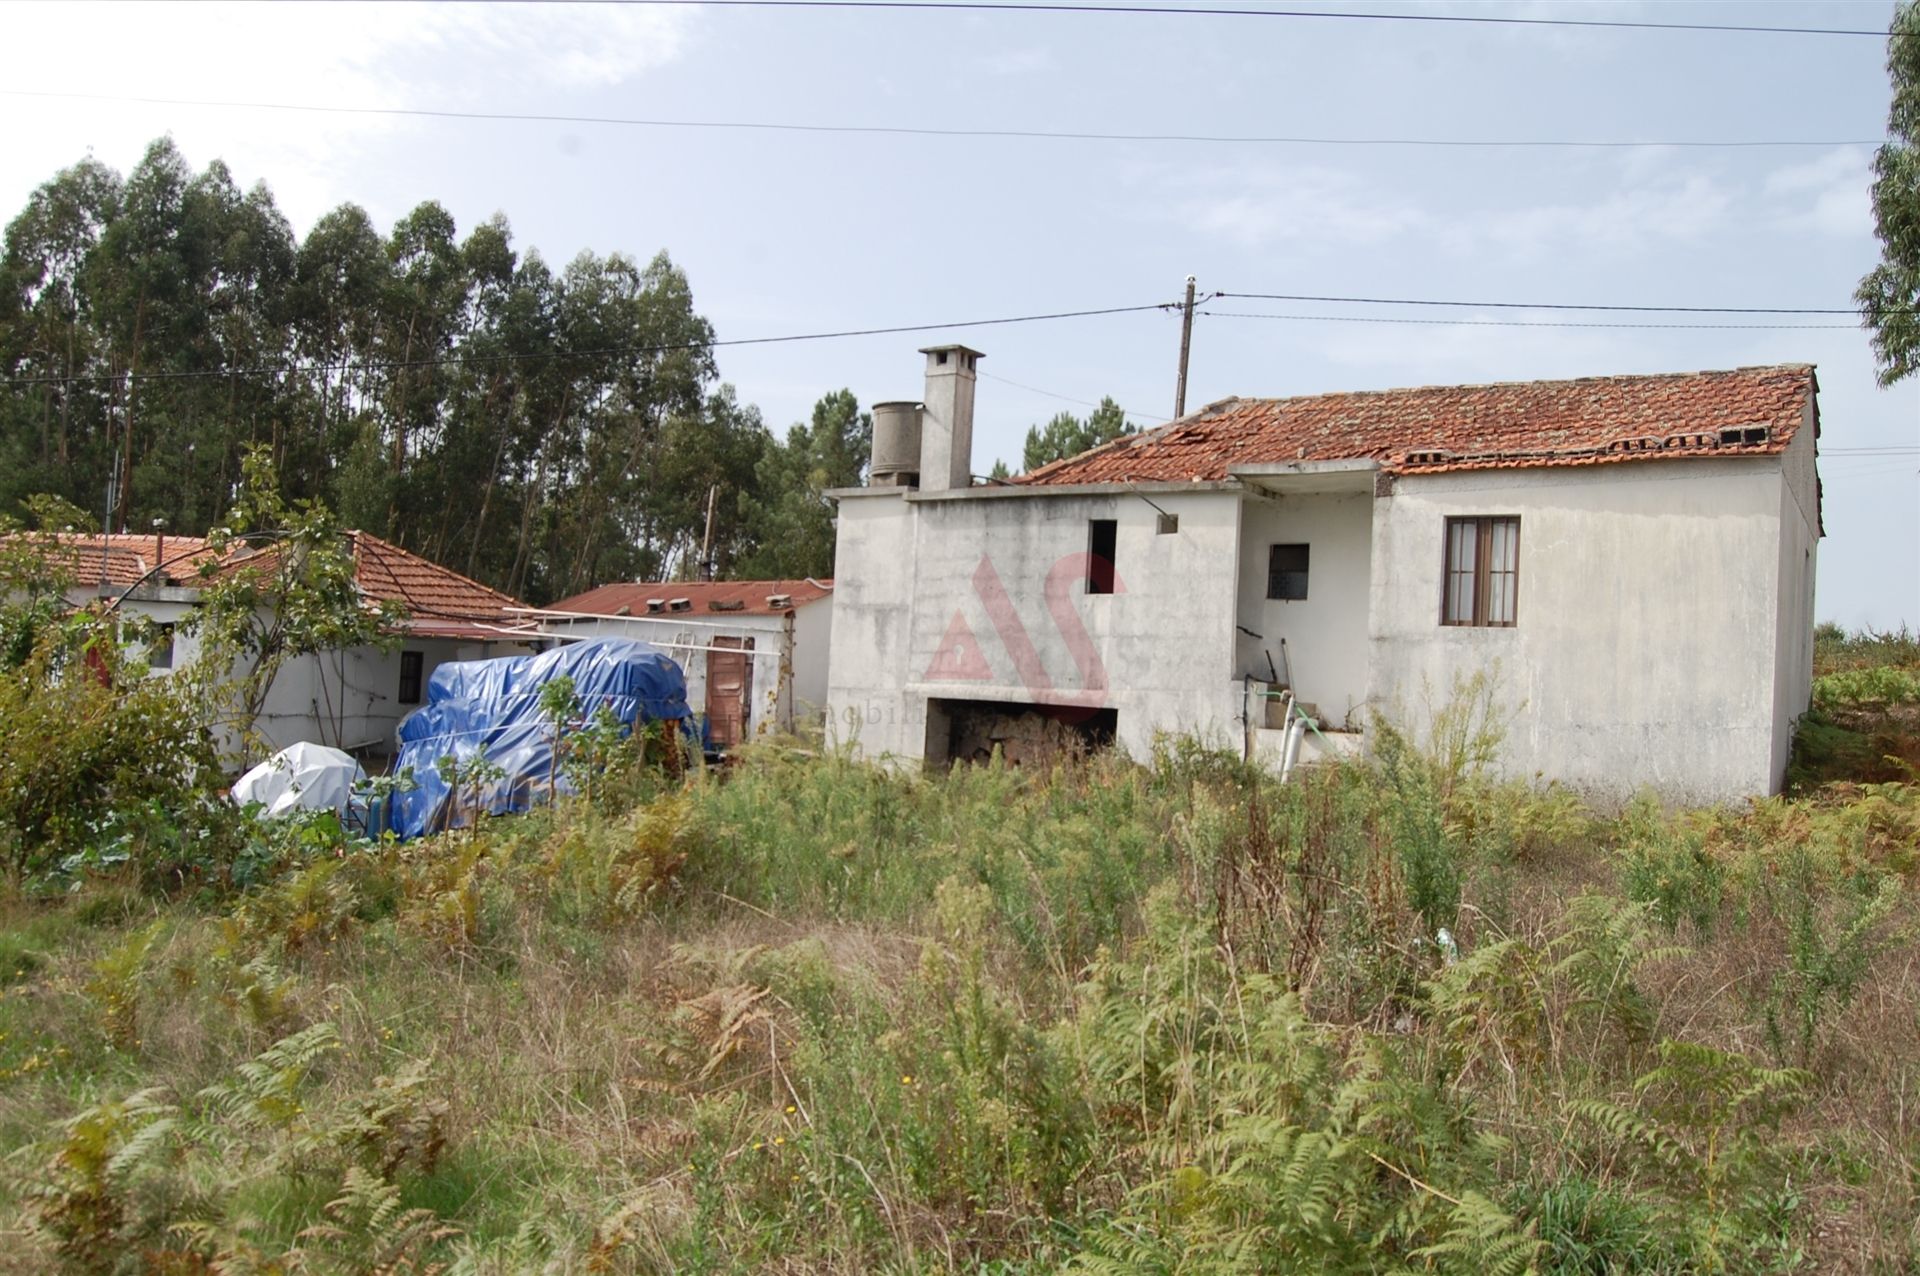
792, 521
285, 587
1067, 435
1889, 296
542, 428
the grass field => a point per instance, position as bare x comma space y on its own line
816, 1016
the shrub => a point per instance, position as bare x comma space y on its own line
100, 762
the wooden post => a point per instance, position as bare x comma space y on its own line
1186, 345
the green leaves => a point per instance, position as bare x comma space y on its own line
1067, 435
1889, 295
541, 430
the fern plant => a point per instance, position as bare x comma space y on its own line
1702, 1134
100, 1186
115, 982
371, 1232
1606, 943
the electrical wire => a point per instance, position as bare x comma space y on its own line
1527, 323
1225, 139
1540, 305
1217, 11
538, 356
1067, 398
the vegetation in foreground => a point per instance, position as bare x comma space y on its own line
813, 1016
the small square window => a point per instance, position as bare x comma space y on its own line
1103, 535
412, 665
1287, 572
1168, 524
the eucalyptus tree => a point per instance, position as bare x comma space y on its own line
1889, 296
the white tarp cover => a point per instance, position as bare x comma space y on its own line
301, 777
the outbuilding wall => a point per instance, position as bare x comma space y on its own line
1799, 560
772, 705
351, 699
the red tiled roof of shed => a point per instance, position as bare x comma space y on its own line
1434, 429
439, 602
432, 594
119, 560
725, 596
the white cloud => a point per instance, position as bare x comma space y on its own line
454, 56
1623, 221
1829, 194
1290, 206
1463, 353
1017, 62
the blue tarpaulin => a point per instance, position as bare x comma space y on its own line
491, 709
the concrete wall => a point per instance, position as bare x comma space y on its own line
873, 599
1326, 632
982, 597
1649, 617
1793, 640
351, 699
812, 644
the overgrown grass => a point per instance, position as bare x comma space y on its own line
1864, 724
817, 1016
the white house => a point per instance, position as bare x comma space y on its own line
350, 699
1629, 559
754, 651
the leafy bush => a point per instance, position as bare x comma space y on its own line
100, 764
1877, 685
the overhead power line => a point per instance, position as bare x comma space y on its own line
1526, 323
1068, 398
1216, 11
1542, 305
540, 356
1018, 134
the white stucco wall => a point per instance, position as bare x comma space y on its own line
873, 589
812, 645
351, 699
1326, 632
1159, 651
1799, 555
1650, 613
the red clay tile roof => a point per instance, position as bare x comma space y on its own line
1439, 428
127, 558
725, 596
438, 599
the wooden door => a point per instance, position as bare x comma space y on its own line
729, 690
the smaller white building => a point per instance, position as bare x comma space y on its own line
754, 651
350, 699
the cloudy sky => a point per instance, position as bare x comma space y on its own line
787, 232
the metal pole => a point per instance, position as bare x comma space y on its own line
1186, 344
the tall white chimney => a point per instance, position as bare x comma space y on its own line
946, 423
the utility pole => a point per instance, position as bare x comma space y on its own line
706, 542
1186, 344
